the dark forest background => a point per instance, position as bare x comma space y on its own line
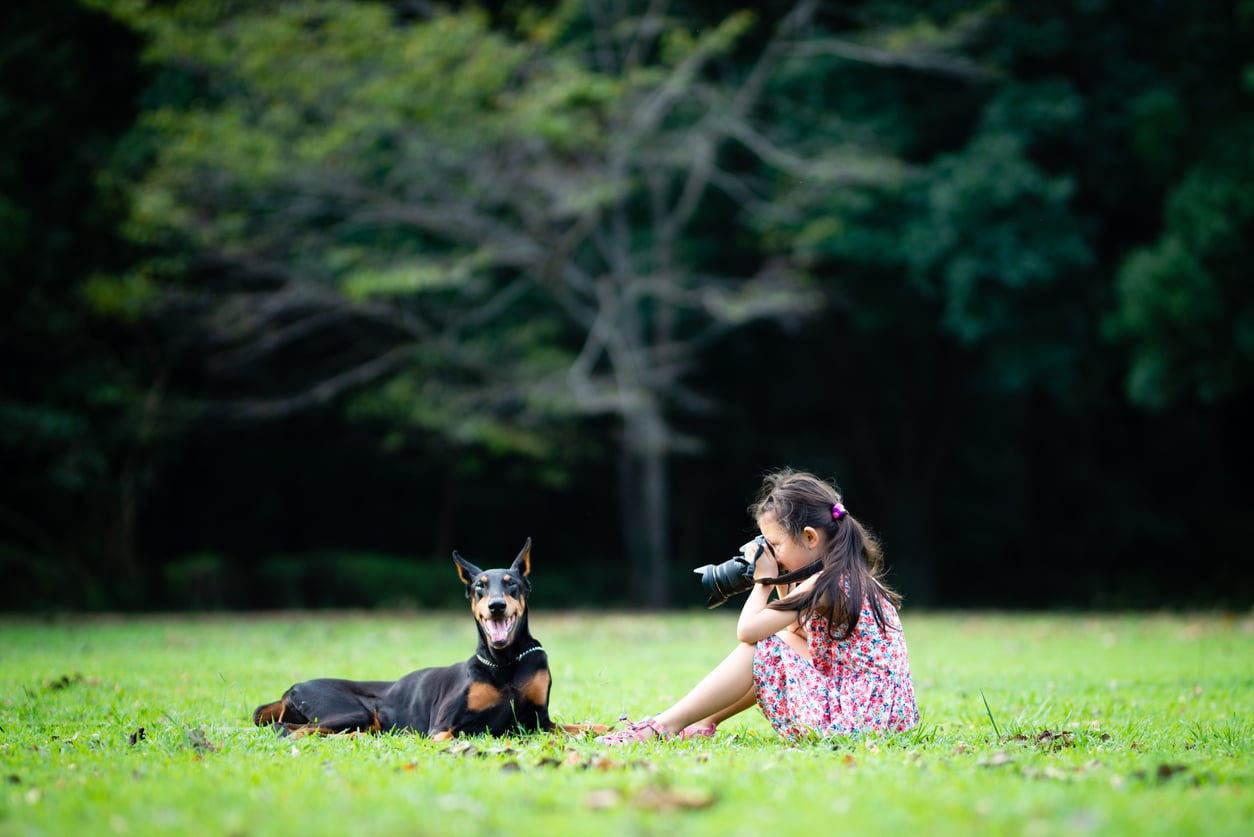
300, 296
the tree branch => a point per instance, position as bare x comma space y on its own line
319, 395
922, 60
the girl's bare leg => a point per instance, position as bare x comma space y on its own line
723, 692
750, 698
711, 688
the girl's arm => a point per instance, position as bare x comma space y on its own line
757, 621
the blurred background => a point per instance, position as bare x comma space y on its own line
298, 297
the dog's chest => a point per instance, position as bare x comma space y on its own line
528, 690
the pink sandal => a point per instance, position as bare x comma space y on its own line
693, 731
635, 731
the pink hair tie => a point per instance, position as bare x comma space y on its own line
838, 511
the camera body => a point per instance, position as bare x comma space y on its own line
733, 576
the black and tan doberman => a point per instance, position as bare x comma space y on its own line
504, 687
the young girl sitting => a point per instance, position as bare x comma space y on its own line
828, 657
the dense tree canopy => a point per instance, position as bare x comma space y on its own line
335, 281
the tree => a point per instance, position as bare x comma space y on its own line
451, 192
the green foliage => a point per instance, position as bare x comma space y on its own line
310, 99
347, 147
124, 297
1186, 307
1108, 724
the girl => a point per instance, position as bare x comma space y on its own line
828, 657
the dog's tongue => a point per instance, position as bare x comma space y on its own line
498, 629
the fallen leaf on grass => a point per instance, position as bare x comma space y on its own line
1048, 772
602, 798
672, 799
575, 759
1164, 772
468, 750
197, 741
499, 751
1052, 740
651, 799
65, 680
997, 759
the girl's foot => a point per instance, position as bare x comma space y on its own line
635, 731
693, 731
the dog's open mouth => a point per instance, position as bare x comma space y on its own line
500, 630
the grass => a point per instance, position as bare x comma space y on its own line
1060, 724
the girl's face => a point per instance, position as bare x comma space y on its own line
790, 553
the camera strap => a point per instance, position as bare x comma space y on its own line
796, 575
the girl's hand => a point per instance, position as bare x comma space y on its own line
767, 566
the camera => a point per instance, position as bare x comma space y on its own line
735, 575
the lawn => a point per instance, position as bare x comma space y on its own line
1032, 724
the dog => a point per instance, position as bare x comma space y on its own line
504, 687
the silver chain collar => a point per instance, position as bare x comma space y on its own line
491, 664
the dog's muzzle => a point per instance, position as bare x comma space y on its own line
499, 629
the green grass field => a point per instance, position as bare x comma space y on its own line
1104, 725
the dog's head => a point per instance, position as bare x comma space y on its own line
498, 597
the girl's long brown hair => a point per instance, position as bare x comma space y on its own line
796, 500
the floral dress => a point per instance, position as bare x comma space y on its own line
853, 684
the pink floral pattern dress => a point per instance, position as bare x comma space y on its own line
854, 684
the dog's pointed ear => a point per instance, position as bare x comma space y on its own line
522, 564
468, 571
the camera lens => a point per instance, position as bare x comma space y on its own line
722, 581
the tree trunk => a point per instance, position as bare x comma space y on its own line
655, 490
646, 497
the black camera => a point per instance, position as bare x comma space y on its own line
735, 575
